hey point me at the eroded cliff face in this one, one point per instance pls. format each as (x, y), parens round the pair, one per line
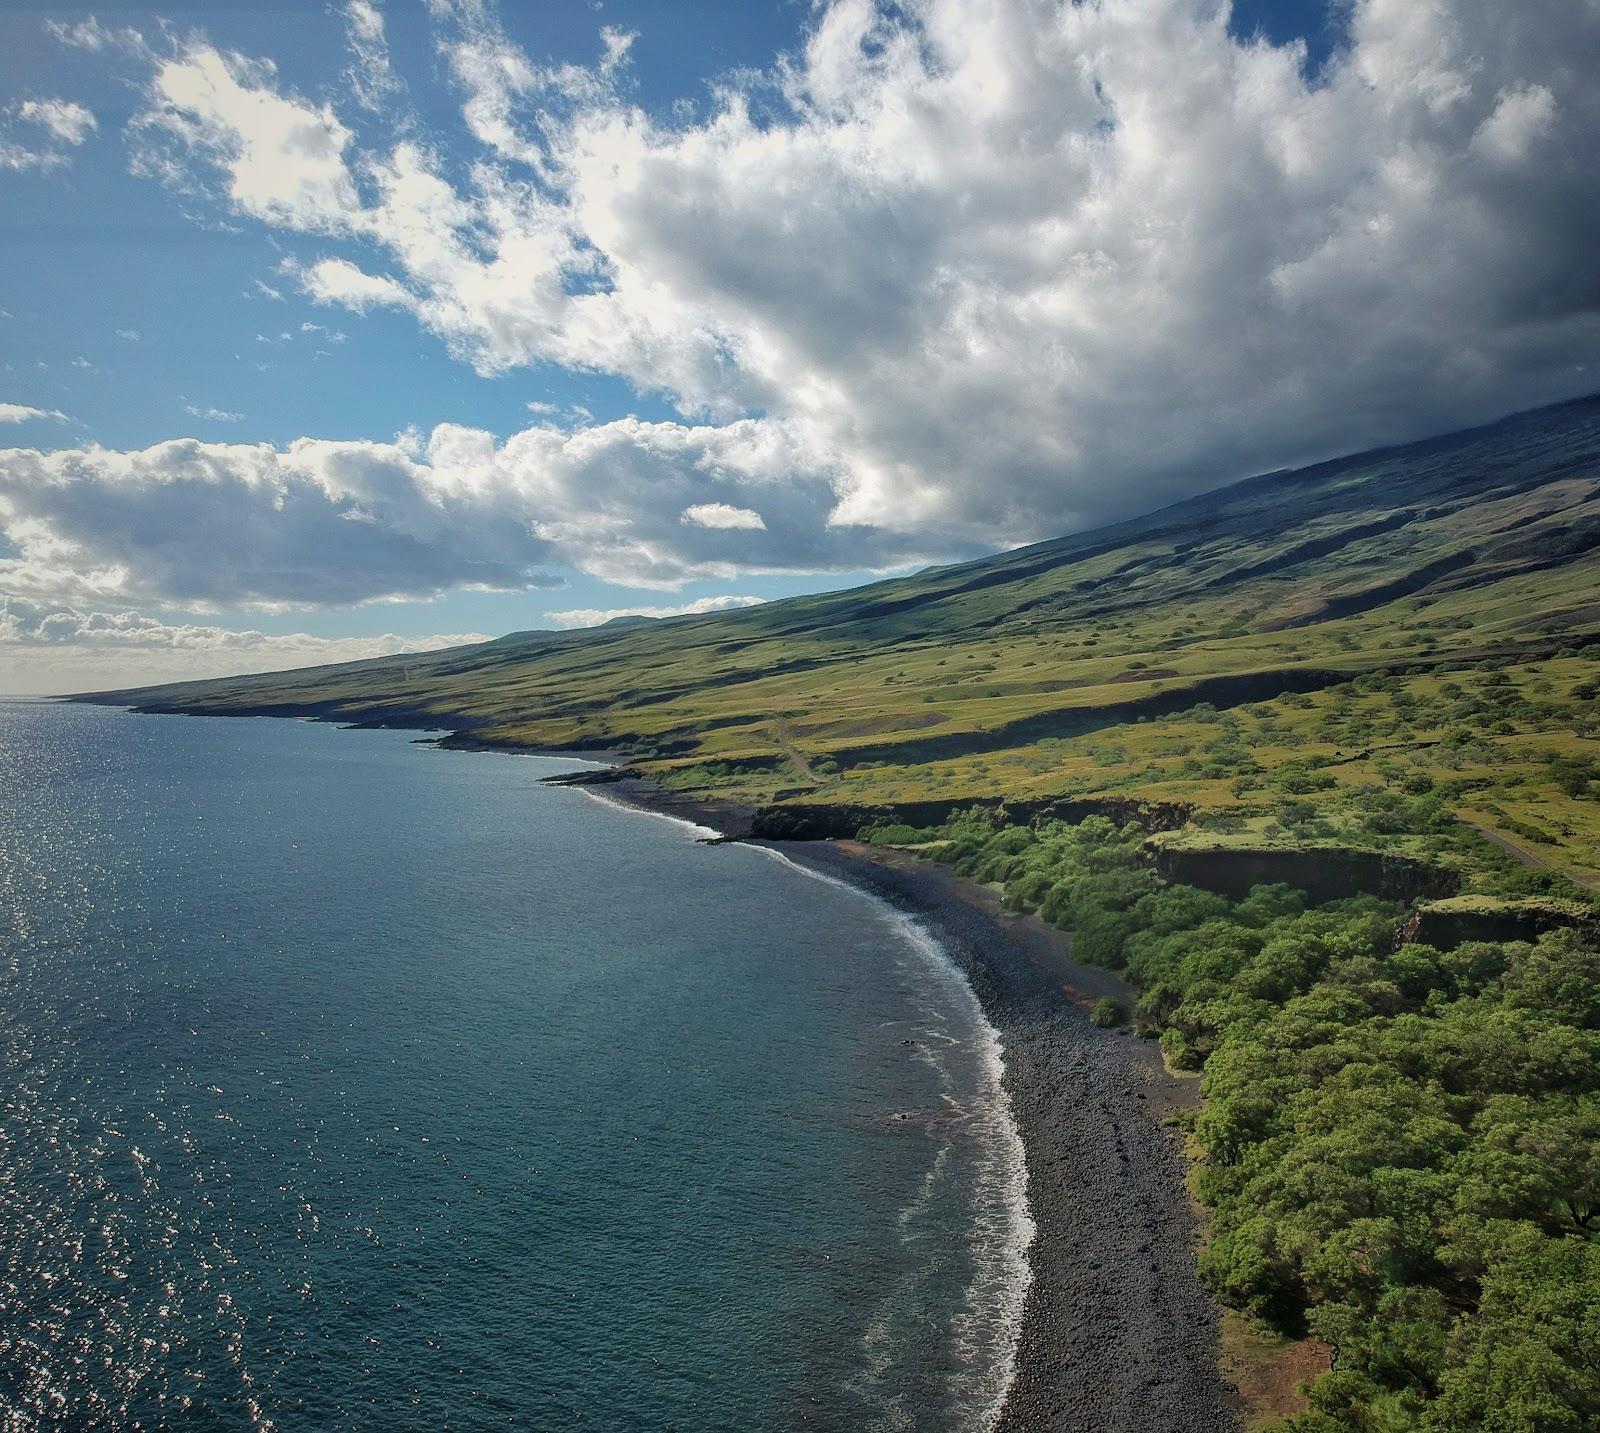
(1445, 926)
(1323, 873)
(811, 821)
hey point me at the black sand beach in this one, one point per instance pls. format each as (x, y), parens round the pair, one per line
(1118, 1335)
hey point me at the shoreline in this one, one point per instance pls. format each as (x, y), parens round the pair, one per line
(1117, 1334)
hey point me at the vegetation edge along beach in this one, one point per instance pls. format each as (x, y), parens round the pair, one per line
(1314, 760)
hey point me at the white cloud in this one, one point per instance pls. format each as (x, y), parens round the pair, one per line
(22, 413)
(617, 44)
(26, 623)
(338, 281)
(66, 122)
(371, 75)
(510, 101)
(996, 268)
(51, 648)
(191, 523)
(721, 515)
(595, 617)
(284, 156)
(65, 125)
(214, 415)
(1521, 116)
(129, 335)
(18, 157)
(90, 34)
(266, 291)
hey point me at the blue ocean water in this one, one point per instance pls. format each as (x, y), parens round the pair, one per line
(349, 1084)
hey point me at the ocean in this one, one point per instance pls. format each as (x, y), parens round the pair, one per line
(351, 1084)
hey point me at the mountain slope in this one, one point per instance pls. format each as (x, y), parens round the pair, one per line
(1073, 668)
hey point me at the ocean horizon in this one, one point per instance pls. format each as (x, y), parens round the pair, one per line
(352, 1084)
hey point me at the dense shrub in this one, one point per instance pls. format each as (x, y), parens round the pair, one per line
(895, 834)
(1401, 1146)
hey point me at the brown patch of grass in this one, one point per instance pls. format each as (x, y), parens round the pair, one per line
(1148, 674)
(1269, 1369)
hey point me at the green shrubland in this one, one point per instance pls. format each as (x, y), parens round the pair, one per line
(1109, 1014)
(1400, 1145)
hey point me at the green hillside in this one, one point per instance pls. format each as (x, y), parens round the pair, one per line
(1289, 657)
(1314, 762)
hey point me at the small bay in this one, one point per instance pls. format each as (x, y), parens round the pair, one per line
(353, 1084)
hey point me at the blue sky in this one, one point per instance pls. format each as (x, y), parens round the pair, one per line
(104, 250)
(489, 318)
(106, 253)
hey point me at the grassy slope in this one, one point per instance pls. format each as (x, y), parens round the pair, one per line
(1075, 668)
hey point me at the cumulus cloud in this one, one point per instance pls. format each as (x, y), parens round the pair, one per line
(338, 281)
(192, 523)
(24, 624)
(595, 617)
(50, 647)
(997, 268)
(22, 413)
(723, 516)
(284, 157)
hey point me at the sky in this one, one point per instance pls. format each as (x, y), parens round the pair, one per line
(339, 328)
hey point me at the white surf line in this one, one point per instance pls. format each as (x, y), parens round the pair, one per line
(701, 832)
(481, 751)
(550, 756)
(1012, 1272)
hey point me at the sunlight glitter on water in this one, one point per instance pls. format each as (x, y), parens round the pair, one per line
(348, 1083)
